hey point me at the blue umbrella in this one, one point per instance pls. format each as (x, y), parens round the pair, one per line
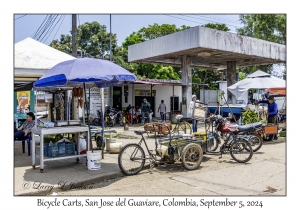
(88, 71)
(85, 72)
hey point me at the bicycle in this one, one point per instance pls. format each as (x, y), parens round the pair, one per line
(234, 144)
(181, 127)
(131, 159)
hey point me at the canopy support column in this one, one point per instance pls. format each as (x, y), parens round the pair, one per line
(231, 79)
(186, 84)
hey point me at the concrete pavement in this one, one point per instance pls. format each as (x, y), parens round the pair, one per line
(67, 174)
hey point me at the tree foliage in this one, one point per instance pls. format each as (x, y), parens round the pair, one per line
(269, 27)
(221, 27)
(91, 37)
(147, 33)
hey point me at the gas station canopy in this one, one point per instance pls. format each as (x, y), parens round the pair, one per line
(208, 48)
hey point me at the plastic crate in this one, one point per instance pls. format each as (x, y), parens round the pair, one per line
(70, 148)
(270, 129)
(282, 134)
(61, 149)
(51, 151)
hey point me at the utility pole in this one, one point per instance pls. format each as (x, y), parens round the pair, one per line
(110, 52)
(74, 35)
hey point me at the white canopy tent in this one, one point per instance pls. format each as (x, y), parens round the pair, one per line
(32, 59)
(256, 80)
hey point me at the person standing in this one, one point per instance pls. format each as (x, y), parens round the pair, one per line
(272, 111)
(145, 110)
(191, 109)
(162, 109)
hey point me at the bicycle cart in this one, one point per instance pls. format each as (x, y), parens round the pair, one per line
(182, 148)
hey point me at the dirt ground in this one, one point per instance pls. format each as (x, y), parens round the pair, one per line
(264, 174)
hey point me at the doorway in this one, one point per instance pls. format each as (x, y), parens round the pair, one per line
(117, 97)
(151, 100)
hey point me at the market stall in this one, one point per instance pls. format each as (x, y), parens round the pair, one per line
(82, 73)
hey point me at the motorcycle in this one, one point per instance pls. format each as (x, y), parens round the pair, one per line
(97, 120)
(119, 118)
(253, 130)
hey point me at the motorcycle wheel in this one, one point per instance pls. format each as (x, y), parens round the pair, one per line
(121, 123)
(215, 145)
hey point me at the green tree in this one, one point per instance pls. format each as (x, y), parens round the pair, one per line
(147, 33)
(221, 27)
(269, 27)
(91, 37)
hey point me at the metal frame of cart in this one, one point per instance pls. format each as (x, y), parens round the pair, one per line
(56, 130)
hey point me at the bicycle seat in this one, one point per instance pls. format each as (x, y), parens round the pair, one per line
(178, 117)
(141, 132)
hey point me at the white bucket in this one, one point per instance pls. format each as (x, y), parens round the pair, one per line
(109, 142)
(94, 160)
(115, 148)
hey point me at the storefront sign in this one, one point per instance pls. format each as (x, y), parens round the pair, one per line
(138, 92)
(95, 101)
(24, 103)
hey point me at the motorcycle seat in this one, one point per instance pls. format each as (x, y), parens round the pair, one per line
(178, 117)
(249, 127)
(140, 132)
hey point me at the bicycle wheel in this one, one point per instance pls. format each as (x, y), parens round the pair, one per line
(184, 128)
(256, 141)
(241, 150)
(131, 159)
(191, 156)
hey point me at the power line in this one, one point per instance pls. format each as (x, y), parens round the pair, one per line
(20, 17)
(47, 27)
(53, 27)
(183, 19)
(212, 21)
(41, 29)
(59, 26)
(227, 20)
(33, 36)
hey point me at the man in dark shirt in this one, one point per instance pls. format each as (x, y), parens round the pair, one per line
(145, 107)
(272, 111)
(24, 131)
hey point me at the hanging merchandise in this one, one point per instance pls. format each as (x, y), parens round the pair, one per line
(77, 92)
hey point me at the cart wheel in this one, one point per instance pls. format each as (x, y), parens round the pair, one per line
(41, 170)
(191, 156)
(77, 160)
(33, 166)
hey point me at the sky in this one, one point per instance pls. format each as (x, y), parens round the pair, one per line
(122, 25)
(26, 25)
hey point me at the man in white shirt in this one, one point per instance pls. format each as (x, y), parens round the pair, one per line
(162, 109)
(191, 108)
